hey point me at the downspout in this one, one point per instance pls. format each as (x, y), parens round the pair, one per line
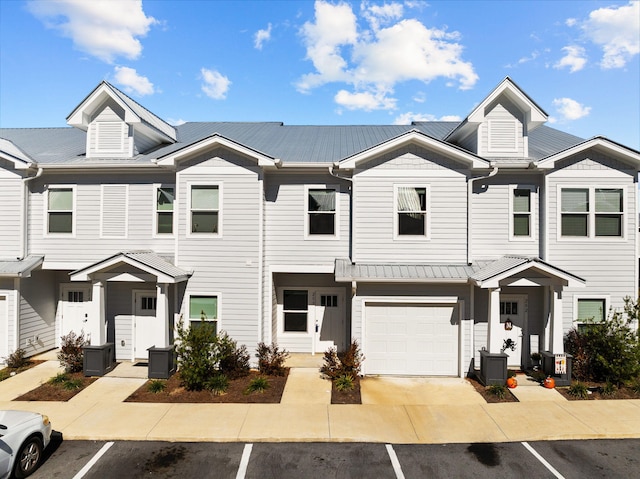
(350, 180)
(24, 235)
(469, 213)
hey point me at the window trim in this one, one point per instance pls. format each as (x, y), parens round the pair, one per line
(174, 225)
(427, 212)
(533, 203)
(604, 297)
(336, 212)
(74, 211)
(591, 214)
(218, 319)
(189, 231)
(281, 311)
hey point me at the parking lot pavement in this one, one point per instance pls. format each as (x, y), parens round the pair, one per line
(137, 460)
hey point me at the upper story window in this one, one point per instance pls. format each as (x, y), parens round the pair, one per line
(205, 209)
(411, 210)
(321, 211)
(521, 213)
(60, 201)
(165, 196)
(592, 212)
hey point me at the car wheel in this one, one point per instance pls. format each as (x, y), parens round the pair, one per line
(29, 457)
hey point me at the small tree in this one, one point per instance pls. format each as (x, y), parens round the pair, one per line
(271, 359)
(71, 354)
(195, 349)
(347, 363)
(232, 360)
(607, 350)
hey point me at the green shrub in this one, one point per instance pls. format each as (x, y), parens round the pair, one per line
(271, 359)
(218, 384)
(157, 386)
(608, 350)
(345, 383)
(538, 376)
(72, 384)
(511, 373)
(71, 355)
(635, 385)
(578, 390)
(340, 364)
(608, 390)
(59, 378)
(258, 384)
(498, 390)
(195, 350)
(4, 374)
(232, 361)
(17, 359)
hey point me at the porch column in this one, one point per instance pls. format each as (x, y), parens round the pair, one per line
(494, 341)
(556, 343)
(162, 313)
(546, 308)
(97, 326)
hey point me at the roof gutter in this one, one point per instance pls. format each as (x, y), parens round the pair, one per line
(24, 235)
(469, 212)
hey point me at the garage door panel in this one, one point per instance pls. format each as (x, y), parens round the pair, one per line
(411, 339)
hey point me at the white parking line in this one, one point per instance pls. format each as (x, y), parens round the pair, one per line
(543, 461)
(244, 462)
(87, 467)
(394, 462)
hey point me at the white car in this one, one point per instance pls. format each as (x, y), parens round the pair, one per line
(23, 437)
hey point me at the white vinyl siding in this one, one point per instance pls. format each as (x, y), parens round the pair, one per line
(11, 204)
(503, 134)
(114, 211)
(38, 297)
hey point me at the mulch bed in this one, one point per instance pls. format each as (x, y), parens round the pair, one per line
(6, 373)
(488, 397)
(175, 393)
(56, 392)
(595, 390)
(346, 397)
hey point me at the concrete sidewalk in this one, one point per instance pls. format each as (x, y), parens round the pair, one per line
(394, 410)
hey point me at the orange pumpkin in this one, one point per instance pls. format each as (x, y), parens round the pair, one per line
(549, 383)
(512, 382)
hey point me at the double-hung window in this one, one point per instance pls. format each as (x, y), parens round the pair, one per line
(295, 308)
(592, 212)
(411, 210)
(203, 308)
(205, 209)
(165, 196)
(60, 210)
(590, 311)
(521, 213)
(321, 211)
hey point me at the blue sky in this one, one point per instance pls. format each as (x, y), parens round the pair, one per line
(324, 62)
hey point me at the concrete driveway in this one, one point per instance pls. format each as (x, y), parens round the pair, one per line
(397, 391)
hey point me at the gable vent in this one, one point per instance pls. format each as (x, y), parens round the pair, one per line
(503, 135)
(113, 211)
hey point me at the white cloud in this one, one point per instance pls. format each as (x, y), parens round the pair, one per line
(373, 60)
(174, 122)
(570, 22)
(407, 118)
(102, 28)
(262, 36)
(367, 101)
(575, 59)
(570, 109)
(617, 31)
(215, 85)
(131, 82)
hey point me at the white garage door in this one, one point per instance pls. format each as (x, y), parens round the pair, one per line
(411, 339)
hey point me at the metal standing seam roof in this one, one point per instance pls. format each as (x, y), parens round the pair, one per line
(509, 262)
(17, 268)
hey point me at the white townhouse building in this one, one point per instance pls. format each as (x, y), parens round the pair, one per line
(425, 242)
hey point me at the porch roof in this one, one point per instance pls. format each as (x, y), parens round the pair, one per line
(146, 260)
(15, 268)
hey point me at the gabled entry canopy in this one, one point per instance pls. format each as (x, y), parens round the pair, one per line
(598, 143)
(147, 262)
(523, 271)
(10, 152)
(415, 137)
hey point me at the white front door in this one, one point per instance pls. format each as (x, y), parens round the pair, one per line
(75, 303)
(4, 329)
(329, 320)
(512, 317)
(148, 331)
